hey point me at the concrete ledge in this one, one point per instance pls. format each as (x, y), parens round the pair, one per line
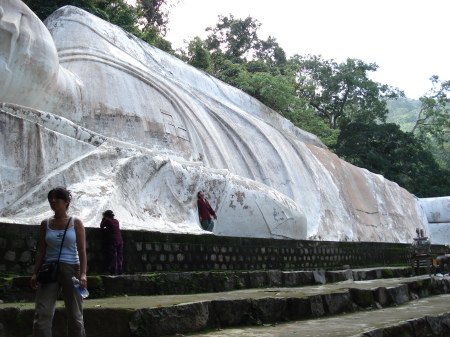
(17, 289)
(110, 317)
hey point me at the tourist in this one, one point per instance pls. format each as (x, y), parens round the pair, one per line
(204, 212)
(60, 238)
(114, 242)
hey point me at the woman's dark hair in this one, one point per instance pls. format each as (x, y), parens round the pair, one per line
(108, 214)
(61, 193)
(198, 194)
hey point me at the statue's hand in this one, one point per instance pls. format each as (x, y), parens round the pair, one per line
(28, 56)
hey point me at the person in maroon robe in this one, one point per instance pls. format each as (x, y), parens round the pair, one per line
(204, 212)
(114, 241)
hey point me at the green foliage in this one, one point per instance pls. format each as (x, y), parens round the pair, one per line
(403, 111)
(154, 14)
(197, 55)
(434, 114)
(338, 90)
(235, 38)
(397, 155)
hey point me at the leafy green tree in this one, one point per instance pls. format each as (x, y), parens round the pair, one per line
(337, 90)
(434, 114)
(397, 155)
(197, 55)
(234, 38)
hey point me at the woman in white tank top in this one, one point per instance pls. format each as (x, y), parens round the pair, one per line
(71, 263)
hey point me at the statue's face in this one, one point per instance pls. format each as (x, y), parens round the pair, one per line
(28, 57)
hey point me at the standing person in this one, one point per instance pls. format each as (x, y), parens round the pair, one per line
(72, 262)
(115, 242)
(204, 212)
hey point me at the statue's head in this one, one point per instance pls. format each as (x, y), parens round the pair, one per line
(28, 56)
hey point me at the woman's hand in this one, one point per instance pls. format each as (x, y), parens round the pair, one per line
(33, 282)
(83, 281)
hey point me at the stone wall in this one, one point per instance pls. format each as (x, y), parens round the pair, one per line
(147, 252)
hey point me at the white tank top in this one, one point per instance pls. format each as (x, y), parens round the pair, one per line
(53, 238)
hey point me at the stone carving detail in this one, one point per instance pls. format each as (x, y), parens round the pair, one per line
(129, 127)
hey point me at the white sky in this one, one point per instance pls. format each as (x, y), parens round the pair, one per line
(408, 39)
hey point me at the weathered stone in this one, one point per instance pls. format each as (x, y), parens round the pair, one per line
(363, 298)
(398, 294)
(306, 277)
(420, 288)
(317, 306)
(290, 279)
(337, 303)
(117, 322)
(170, 320)
(401, 329)
(258, 279)
(270, 309)
(223, 281)
(338, 276)
(374, 333)
(319, 276)
(129, 285)
(231, 313)
(437, 211)
(275, 278)
(381, 296)
(421, 327)
(299, 308)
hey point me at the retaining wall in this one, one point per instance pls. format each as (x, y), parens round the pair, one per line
(146, 252)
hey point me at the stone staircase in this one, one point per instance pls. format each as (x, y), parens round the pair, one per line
(182, 303)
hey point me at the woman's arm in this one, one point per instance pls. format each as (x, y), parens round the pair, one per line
(40, 254)
(81, 246)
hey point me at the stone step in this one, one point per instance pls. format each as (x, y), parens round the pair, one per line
(425, 317)
(15, 289)
(177, 314)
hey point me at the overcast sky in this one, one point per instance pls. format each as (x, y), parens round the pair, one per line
(408, 39)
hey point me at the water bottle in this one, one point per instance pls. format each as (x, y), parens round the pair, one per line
(83, 292)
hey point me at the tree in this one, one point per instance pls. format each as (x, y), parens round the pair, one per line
(197, 55)
(397, 155)
(156, 13)
(233, 38)
(434, 114)
(337, 90)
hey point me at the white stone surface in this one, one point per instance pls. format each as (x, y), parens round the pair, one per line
(437, 211)
(131, 128)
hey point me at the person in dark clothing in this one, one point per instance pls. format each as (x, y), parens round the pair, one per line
(204, 212)
(114, 241)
